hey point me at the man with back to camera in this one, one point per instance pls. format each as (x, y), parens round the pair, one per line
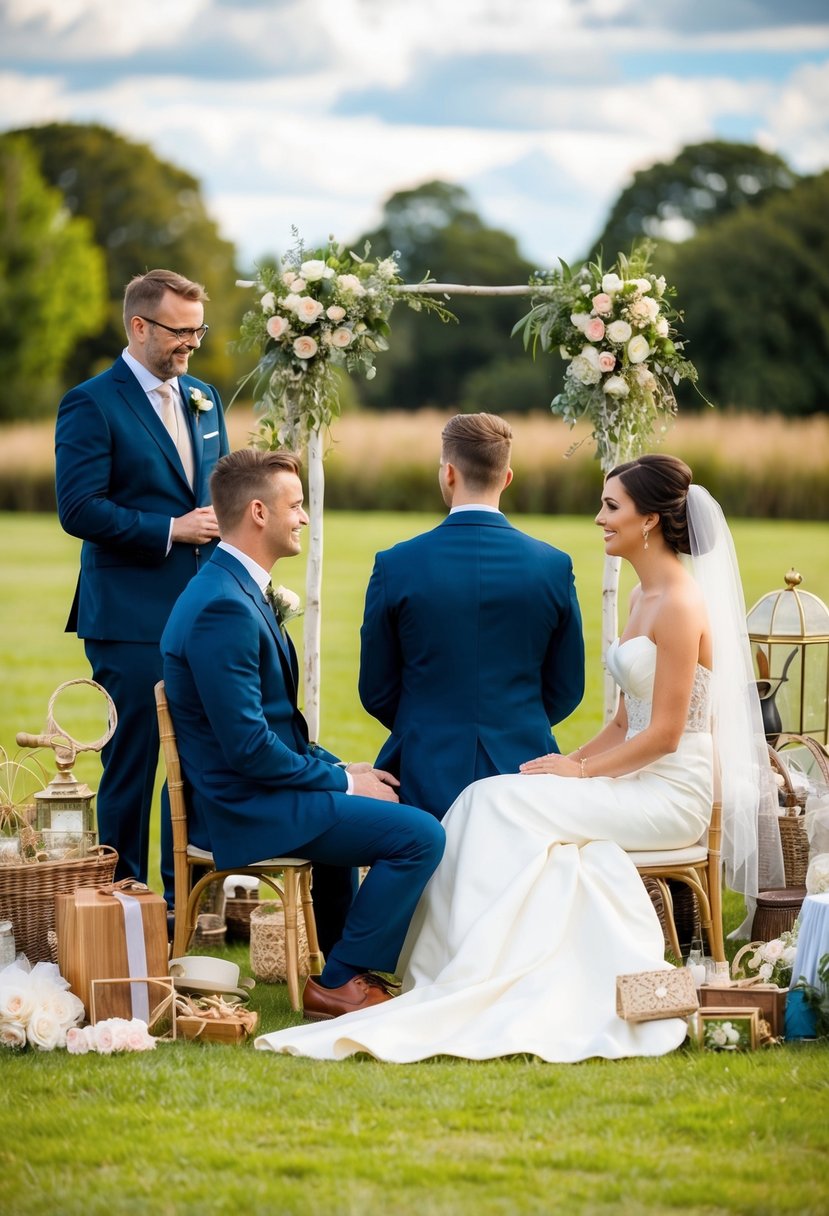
(471, 639)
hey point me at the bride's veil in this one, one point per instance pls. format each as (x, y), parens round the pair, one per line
(751, 839)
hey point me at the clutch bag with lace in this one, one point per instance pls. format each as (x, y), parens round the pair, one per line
(646, 996)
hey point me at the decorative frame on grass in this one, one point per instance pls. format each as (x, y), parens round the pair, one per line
(727, 1029)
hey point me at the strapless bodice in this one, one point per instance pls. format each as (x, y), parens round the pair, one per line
(633, 666)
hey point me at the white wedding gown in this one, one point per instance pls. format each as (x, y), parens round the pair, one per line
(535, 909)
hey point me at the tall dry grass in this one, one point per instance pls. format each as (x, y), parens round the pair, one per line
(757, 465)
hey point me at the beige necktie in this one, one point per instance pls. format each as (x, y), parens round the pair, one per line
(170, 416)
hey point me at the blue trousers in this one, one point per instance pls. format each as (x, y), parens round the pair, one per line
(402, 845)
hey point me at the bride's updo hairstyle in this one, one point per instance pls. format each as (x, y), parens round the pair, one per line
(659, 484)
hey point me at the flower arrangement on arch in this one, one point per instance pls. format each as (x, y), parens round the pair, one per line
(616, 331)
(317, 310)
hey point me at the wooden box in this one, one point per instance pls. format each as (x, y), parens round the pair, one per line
(728, 1029)
(92, 945)
(214, 1030)
(768, 998)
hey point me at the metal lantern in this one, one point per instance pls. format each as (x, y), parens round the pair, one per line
(65, 818)
(789, 635)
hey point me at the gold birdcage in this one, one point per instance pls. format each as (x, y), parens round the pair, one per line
(789, 634)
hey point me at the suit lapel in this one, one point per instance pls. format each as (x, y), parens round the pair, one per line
(246, 583)
(136, 399)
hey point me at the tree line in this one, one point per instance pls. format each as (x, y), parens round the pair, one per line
(737, 231)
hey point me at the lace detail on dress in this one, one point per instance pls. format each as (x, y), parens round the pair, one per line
(699, 710)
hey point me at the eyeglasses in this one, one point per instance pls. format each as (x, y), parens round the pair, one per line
(181, 334)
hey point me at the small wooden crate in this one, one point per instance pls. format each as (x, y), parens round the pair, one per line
(215, 1030)
(768, 998)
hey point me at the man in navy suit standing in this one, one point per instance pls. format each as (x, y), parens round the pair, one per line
(134, 449)
(472, 642)
(258, 788)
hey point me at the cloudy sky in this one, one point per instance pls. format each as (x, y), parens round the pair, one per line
(311, 112)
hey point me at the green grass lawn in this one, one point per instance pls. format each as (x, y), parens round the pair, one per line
(212, 1129)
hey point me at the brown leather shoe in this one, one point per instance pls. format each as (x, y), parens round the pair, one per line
(319, 1004)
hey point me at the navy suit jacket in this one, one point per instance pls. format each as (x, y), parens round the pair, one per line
(258, 788)
(119, 483)
(471, 648)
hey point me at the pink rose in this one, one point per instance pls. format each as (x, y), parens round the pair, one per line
(104, 1038)
(276, 326)
(341, 337)
(77, 1043)
(335, 313)
(594, 329)
(12, 1034)
(602, 304)
(607, 362)
(308, 309)
(305, 347)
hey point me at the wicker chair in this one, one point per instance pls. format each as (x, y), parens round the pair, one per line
(294, 887)
(699, 866)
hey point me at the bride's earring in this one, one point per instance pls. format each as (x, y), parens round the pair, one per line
(645, 536)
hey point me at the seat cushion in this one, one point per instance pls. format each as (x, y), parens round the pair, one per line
(204, 857)
(691, 855)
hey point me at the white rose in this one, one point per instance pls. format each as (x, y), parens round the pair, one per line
(772, 951)
(289, 598)
(313, 271)
(638, 349)
(65, 1006)
(268, 302)
(305, 347)
(619, 331)
(718, 1035)
(581, 369)
(350, 284)
(44, 1030)
(77, 1043)
(298, 285)
(277, 326)
(611, 283)
(139, 1037)
(334, 312)
(17, 1001)
(644, 285)
(288, 277)
(765, 971)
(659, 285)
(731, 1033)
(662, 327)
(341, 337)
(102, 1037)
(308, 309)
(12, 1034)
(580, 319)
(789, 955)
(616, 386)
(291, 301)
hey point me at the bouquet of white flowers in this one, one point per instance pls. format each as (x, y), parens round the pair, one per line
(616, 331)
(36, 1006)
(770, 962)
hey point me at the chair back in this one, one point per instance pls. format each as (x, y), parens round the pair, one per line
(172, 764)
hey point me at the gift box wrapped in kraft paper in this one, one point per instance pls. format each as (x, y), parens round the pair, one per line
(112, 932)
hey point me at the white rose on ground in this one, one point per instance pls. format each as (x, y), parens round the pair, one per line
(277, 326)
(305, 347)
(611, 283)
(44, 1031)
(308, 309)
(350, 284)
(334, 312)
(268, 302)
(17, 1000)
(12, 1034)
(607, 361)
(313, 270)
(638, 349)
(66, 1007)
(341, 337)
(616, 386)
(619, 331)
(139, 1037)
(103, 1039)
(77, 1042)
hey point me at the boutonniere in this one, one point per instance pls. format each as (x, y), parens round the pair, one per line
(285, 603)
(200, 403)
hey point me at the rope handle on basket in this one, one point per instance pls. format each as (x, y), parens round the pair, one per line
(792, 806)
(66, 748)
(812, 745)
(736, 969)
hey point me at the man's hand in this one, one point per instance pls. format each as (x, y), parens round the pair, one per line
(196, 527)
(371, 782)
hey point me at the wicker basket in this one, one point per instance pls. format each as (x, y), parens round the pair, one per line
(792, 823)
(27, 895)
(267, 943)
(238, 913)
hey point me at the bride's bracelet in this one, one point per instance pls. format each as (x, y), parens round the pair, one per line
(583, 766)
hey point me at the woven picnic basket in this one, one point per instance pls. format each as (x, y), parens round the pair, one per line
(792, 822)
(27, 895)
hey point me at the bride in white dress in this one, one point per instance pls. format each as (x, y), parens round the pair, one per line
(536, 907)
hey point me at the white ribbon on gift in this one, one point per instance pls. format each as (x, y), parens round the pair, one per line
(136, 953)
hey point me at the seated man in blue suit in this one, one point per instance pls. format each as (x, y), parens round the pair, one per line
(471, 640)
(134, 448)
(258, 788)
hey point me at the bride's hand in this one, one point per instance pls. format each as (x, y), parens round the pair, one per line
(559, 766)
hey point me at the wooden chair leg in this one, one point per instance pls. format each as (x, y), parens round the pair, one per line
(314, 953)
(289, 903)
(670, 923)
(715, 899)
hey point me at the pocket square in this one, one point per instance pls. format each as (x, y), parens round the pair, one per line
(210, 435)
